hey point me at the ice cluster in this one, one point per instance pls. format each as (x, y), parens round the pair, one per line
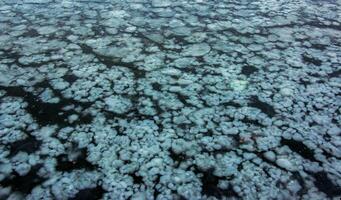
(166, 99)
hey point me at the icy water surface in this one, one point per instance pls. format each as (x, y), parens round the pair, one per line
(165, 99)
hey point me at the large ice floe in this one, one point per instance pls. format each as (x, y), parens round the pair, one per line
(166, 99)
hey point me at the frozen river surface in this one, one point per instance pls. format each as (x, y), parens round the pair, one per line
(165, 99)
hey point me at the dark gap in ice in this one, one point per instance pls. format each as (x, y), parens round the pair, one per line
(330, 154)
(232, 103)
(265, 160)
(137, 179)
(185, 126)
(252, 122)
(148, 41)
(180, 197)
(240, 166)
(299, 148)
(304, 81)
(156, 86)
(8, 54)
(99, 30)
(201, 59)
(265, 169)
(111, 115)
(26, 183)
(300, 180)
(177, 40)
(247, 70)
(89, 194)
(337, 112)
(289, 25)
(210, 186)
(321, 47)
(183, 99)
(323, 26)
(220, 151)
(64, 164)
(28, 145)
(47, 113)
(107, 61)
(264, 107)
(119, 130)
(189, 69)
(70, 78)
(93, 2)
(238, 33)
(113, 61)
(30, 33)
(325, 185)
(311, 60)
(138, 73)
(208, 133)
(178, 158)
(156, 191)
(327, 137)
(336, 73)
(316, 75)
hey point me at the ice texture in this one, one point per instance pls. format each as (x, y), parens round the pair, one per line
(166, 99)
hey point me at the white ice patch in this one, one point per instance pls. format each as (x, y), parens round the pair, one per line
(196, 49)
(117, 104)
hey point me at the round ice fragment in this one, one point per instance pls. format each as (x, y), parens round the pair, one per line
(171, 71)
(286, 91)
(285, 163)
(161, 3)
(270, 155)
(197, 49)
(238, 85)
(73, 118)
(334, 131)
(117, 104)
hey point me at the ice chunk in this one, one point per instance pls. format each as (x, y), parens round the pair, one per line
(117, 104)
(161, 3)
(286, 164)
(238, 85)
(270, 155)
(197, 49)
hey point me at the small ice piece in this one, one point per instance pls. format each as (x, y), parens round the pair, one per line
(270, 155)
(171, 72)
(185, 62)
(37, 1)
(197, 49)
(286, 91)
(73, 118)
(182, 81)
(5, 79)
(118, 104)
(238, 85)
(161, 3)
(334, 131)
(61, 85)
(45, 30)
(182, 31)
(46, 131)
(5, 168)
(112, 31)
(285, 163)
(175, 89)
(139, 196)
(48, 96)
(321, 119)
